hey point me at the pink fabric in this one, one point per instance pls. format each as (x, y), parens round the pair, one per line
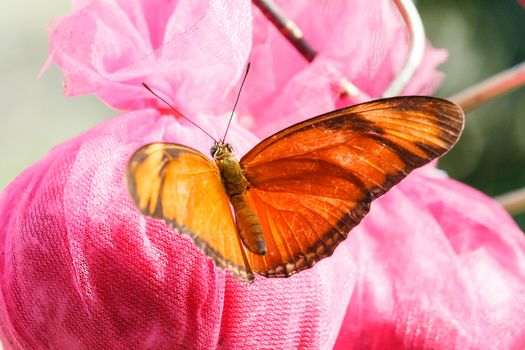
(109, 47)
(83, 269)
(364, 41)
(451, 277)
(434, 265)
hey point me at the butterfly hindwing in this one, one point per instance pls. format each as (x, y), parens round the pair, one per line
(183, 187)
(314, 181)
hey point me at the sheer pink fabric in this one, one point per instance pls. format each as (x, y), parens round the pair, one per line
(434, 265)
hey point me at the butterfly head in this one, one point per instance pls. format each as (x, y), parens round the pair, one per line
(221, 150)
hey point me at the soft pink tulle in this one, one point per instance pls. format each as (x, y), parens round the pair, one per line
(440, 266)
(434, 265)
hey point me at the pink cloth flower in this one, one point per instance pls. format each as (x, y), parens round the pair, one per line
(434, 265)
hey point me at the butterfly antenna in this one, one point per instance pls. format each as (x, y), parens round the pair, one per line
(178, 113)
(237, 100)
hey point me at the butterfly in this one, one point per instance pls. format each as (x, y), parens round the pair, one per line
(297, 194)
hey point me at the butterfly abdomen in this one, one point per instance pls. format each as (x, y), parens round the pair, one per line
(246, 220)
(248, 225)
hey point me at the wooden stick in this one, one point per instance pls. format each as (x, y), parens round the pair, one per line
(485, 91)
(490, 88)
(287, 27)
(513, 202)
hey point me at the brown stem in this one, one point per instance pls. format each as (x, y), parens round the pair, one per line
(513, 202)
(490, 88)
(295, 36)
(287, 27)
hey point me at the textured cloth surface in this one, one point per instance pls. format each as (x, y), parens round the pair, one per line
(84, 269)
(434, 265)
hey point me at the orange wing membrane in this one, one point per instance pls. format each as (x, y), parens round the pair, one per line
(311, 183)
(183, 187)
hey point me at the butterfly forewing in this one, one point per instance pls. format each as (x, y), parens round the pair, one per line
(309, 184)
(314, 181)
(183, 187)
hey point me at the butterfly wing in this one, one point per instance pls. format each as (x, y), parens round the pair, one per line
(314, 181)
(183, 187)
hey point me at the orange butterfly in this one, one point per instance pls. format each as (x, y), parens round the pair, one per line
(298, 193)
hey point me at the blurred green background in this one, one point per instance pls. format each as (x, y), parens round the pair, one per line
(483, 37)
